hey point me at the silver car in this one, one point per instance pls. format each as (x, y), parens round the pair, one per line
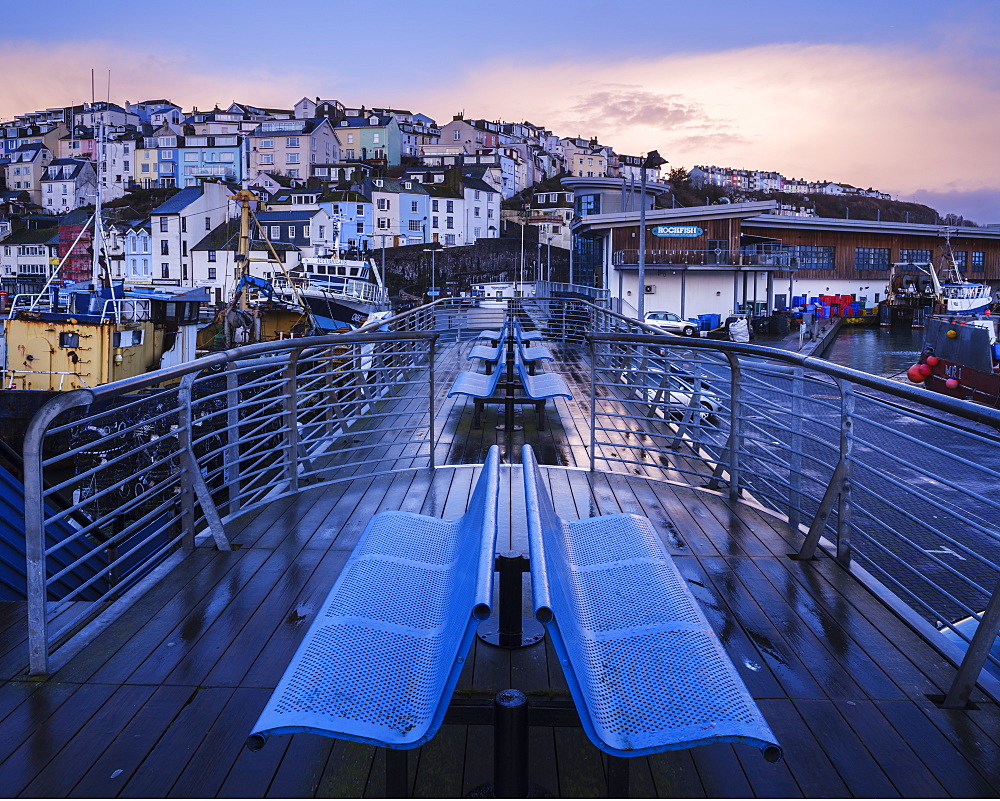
(671, 323)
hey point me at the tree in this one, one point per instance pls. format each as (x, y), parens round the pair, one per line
(678, 176)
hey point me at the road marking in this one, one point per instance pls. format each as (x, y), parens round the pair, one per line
(944, 550)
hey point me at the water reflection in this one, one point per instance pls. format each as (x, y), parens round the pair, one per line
(881, 351)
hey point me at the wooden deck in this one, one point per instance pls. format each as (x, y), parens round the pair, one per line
(160, 703)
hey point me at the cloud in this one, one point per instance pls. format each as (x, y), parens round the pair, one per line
(900, 120)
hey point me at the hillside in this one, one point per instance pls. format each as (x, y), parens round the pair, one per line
(836, 206)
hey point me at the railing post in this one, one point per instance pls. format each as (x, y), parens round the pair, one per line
(194, 487)
(976, 655)
(593, 405)
(735, 442)
(231, 456)
(289, 402)
(34, 524)
(795, 448)
(431, 390)
(844, 508)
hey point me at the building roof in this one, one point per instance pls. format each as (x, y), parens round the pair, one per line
(286, 216)
(181, 200)
(76, 217)
(478, 183)
(33, 236)
(396, 186)
(226, 237)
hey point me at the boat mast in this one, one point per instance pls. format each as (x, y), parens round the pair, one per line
(242, 257)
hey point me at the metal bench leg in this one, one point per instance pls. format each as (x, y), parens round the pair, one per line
(510, 744)
(396, 773)
(478, 410)
(618, 777)
(540, 411)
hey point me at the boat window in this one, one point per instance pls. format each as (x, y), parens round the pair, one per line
(354, 271)
(69, 339)
(128, 338)
(321, 269)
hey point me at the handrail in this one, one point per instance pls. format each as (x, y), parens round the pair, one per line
(809, 441)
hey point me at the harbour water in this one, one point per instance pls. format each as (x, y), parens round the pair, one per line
(886, 352)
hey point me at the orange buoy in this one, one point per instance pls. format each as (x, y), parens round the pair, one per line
(924, 369)
(931, 360)
(951, 383)
(952, 333)
(914, 374)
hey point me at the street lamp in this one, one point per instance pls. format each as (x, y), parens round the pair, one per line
(548, 257)
(433, 288)
(524, 221)
(653, 159)
(538, 263)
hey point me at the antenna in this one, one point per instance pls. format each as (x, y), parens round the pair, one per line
(92, 98)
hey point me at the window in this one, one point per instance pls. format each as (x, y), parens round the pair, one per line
(457, 135)
(165, 270)
(127, 339)
(961, 259)
(163, 224)
(184, 225)
(184, 248)
(434, 222)
(489, 214)
(292, 141)
(477, 232)
(414, 206)
(305, 230)
(291, 158)
(475, 211)
(449, 239)
(414, 225)
(360, 227)
(361, 211)
(267, 143)
(164, 248)
(383, 204)
(588, 204)
(871, 258)
(266, 158)
(349, 153)
(211, 255)
(275, 231)
(449, 222)
(322, 231)
(434, 205)
(476, 194)
(449, 206)
(208, 223)
(166, 154)
(913, 257)
(69, 339)
(293, 173)
(190, 156)
(144, 168)
(211, 273)
(383, 223)
(978, 261)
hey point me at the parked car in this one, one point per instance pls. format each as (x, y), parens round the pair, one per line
(671, 323)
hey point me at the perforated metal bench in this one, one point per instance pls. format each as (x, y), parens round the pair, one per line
(478, 386)
(541, 387)
(380, 662)
(488, 353)
(526, 336)
(644, 667)
(530, 354)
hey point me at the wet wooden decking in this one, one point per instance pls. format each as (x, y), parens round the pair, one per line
(160, 703)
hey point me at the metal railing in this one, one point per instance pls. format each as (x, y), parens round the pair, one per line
(897, 484)
(720, 258)
(164, 459)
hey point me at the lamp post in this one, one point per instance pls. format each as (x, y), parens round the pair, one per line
(538, 263)
(524, 222)
(653, 159)
(433, 286)
(548, 258)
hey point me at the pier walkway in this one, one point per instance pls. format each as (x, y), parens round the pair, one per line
(159, 703)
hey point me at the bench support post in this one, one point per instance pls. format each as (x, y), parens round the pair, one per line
(510, 629)
(396, 773)
(617, 776)
(510, 744)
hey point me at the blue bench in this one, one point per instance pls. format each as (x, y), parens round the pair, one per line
(644, 667)
(527, 336)
(488, 353)
(380, 662)
(540, 387)
(531, 354)
(478, 386)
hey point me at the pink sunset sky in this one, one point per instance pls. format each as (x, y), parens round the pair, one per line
(900, 96)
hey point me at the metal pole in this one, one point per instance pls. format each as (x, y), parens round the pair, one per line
(510, 744)
(642, 244)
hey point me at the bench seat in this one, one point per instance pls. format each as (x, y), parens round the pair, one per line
(380, 662)
(541, 386)
(644, 667)
(475, 385)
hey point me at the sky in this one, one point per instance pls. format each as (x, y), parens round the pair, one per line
(899, 95)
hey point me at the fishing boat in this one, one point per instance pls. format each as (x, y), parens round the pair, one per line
(915, 290)
(961, 358)
(325, 294)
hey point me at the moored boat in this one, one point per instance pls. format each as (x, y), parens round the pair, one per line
(961, 358)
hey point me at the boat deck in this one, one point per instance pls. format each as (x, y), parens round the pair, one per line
(160, 703)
